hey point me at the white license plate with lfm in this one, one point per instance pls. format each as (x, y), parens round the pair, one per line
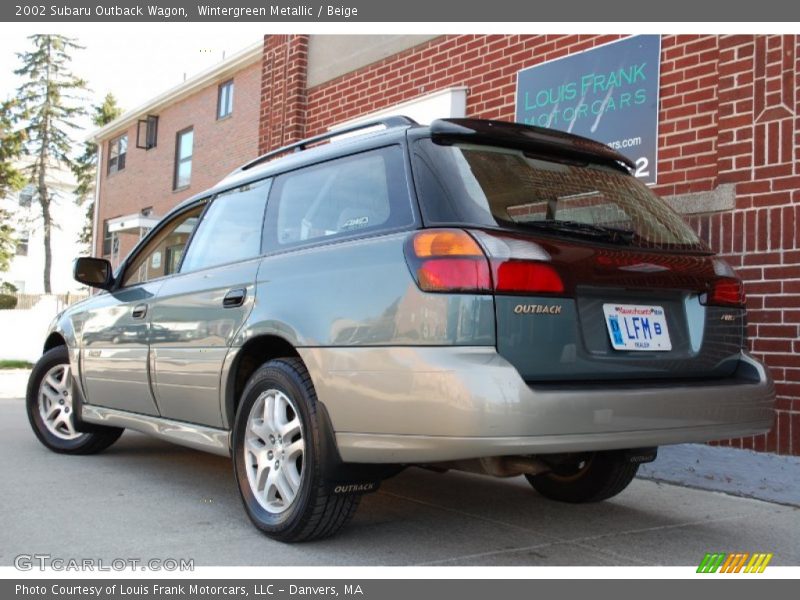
(637, 327)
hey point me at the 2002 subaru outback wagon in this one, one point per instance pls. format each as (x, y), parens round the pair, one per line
(471, 295)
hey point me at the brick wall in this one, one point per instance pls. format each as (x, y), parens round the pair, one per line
(147, 177)
(728, 123)
(283, 90)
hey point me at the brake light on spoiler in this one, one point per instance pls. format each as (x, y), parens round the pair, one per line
(452, 260)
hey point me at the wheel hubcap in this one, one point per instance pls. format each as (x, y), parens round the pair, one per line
(55, 403)
(274, 446)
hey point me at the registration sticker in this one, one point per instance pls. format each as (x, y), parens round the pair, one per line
(637, 327)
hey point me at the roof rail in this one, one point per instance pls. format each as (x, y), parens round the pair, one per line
(388, 123)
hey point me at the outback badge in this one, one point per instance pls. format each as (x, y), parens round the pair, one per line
(537, 309)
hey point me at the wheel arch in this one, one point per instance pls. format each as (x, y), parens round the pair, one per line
(255, 352)
(54, 340)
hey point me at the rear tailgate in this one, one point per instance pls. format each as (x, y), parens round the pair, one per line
(661, 329)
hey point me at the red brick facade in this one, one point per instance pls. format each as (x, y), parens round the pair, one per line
(283, 90)
(147, 179)
(728, 117)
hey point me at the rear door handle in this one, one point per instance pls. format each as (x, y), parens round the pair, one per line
(139, 311)
(234, 298)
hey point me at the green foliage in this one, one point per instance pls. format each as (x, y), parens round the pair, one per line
(49, 101)
(85, 167)
(8, 288)
(11, 178)
(7, 301)
(47, 106)
(8, 245)
(15, 364)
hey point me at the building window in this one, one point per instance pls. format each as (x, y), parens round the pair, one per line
(225, 100)
(107, 239)
(183, 158)
(117, 149)
(22, 243)
(26, 196)
(147, 132)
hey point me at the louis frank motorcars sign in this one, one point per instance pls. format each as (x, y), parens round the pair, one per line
(608, 93)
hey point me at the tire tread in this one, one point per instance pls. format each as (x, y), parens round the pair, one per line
(329, 512)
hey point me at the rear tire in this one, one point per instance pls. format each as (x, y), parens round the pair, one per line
(50, 407)
(277, 448)
(598, 477)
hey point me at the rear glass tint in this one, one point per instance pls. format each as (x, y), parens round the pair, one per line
(501, 187)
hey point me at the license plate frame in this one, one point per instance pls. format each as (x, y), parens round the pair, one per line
(637, 327)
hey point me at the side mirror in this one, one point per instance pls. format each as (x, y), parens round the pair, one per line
(95, 272)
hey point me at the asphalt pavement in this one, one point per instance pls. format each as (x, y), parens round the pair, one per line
(144, 499)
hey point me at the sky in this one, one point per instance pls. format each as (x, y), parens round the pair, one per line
(135, 62)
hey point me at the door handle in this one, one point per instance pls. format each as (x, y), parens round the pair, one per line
(139, 311)
(234, 298)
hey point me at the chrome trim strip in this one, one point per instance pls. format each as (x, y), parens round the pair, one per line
(199, 437)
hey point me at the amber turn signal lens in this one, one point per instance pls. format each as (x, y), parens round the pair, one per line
(429, 244)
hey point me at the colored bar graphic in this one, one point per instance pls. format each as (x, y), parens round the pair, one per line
(734, 562)
(711, 562)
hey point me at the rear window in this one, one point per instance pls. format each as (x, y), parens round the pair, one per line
(488, 186)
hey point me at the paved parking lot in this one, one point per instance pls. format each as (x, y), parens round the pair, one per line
(147, 499)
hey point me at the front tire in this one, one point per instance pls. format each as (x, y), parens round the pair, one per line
(50, 406)
(277, 448)
(594, 478)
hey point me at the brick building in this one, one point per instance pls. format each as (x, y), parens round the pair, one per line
(168, 149)
(728, 144)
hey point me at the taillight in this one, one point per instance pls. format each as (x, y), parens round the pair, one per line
(521, 276)
(451, 260)
(448, 260)
(726, 291)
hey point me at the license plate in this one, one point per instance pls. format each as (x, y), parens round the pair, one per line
(637, 327)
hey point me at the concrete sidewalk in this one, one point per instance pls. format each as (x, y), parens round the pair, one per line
(144, 498)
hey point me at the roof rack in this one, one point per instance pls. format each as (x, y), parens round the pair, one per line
(388, 123)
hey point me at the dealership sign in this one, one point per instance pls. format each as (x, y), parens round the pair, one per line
(608, 93)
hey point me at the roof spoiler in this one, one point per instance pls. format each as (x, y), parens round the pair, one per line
(527, 136)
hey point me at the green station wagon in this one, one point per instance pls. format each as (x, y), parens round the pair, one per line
(473, 295)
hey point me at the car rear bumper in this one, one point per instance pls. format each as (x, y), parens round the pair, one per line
(422, 404)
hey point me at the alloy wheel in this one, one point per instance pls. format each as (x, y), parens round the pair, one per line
(55, 403)
(274, 447)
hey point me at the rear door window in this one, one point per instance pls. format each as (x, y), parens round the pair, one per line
(346, 197)
(230, 230)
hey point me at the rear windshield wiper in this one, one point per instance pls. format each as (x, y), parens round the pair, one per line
(612, 234)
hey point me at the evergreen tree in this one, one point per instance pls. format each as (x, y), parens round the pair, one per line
(85, 167)
(49, 101)
(11, 179)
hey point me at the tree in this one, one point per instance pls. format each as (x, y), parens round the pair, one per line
(85, 167)
(11, 179)
(8, 244)
(48, 104)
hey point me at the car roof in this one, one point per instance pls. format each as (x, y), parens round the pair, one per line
(366, 135)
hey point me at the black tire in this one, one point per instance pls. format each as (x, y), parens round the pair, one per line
(314, 512)
(58, 439)
(598, 477)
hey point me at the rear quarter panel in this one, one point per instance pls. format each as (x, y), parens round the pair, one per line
(360, 293)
